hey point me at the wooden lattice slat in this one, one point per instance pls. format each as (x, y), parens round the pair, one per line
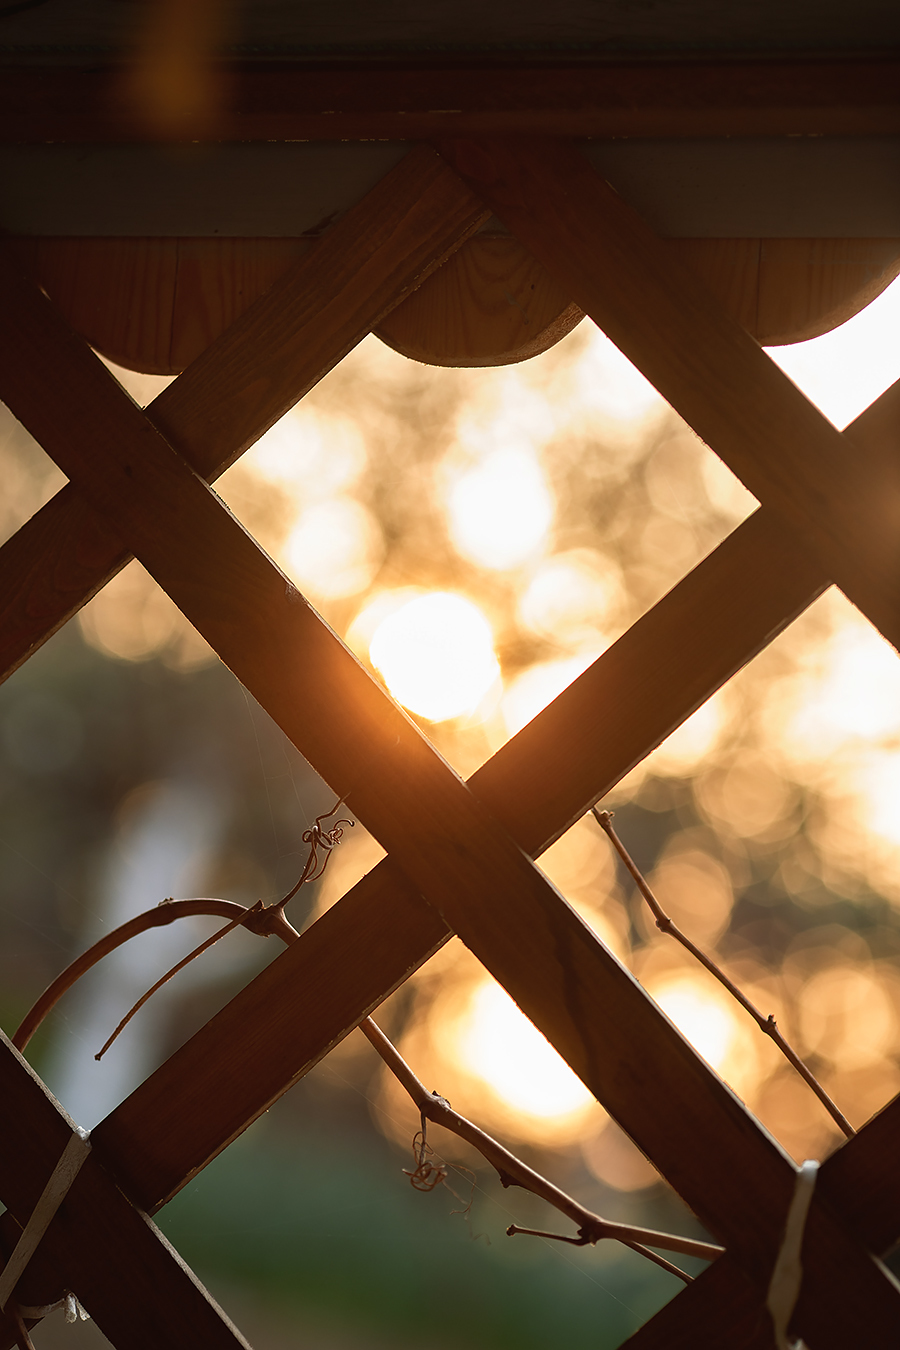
(536, 785)
(548, 960)
(136, 1286)
(469, 870)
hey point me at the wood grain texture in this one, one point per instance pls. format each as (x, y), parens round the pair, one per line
(278, 350)
(467, 866)
(862, 1179)
(423, 99)
(790, 290)
(119, 294)
(217, 281)
(138, 1291)
(490, 304)
(710, 370)
(809, 286)
(155, 305)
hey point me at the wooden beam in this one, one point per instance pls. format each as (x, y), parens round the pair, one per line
(425, 99)
(136, 1288)
(274, 354)
(471, 871)
(860, 1181)
(845, 510)
(154, 305)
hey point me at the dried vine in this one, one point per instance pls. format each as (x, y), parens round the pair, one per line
(766, 1024)
(270, 920)
(513, 1172)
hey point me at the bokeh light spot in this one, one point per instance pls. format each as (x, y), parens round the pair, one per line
(539, 685)
(501, 510)
(570, 596)
(496, 1042)
(706, 1021)
(335, 549)
(436, 654)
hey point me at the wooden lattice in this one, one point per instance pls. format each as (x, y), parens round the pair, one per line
(460, 855)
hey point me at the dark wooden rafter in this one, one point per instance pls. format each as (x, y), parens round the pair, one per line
(720, 1310)
(400, 101)
(214, 570)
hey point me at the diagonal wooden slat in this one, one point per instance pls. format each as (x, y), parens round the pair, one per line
(609, 719)
(862, 1180)
(721, 1310)
(273, 355)
(536, 785)
(589, 1007)
(845, 510)
(137, 1289)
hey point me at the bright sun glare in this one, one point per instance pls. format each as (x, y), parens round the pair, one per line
(500, 512)
(498, 1044)
(436, 654)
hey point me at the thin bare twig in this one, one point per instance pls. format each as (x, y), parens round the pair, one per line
(768, 1024)
(266, 922)
(179, 965)
(581, 1241)
(23, 1340)
(513, 1172)
(317, 838)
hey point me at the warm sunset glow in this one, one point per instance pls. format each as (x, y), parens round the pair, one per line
(315, 455)
(564, 497)
(501, 510)
(845, 370)
(570, 595)
(436, 655)
(497, 1043)
(687, 747)
(538, 686)
(609, 387)
(335, 549)
(706, 1020)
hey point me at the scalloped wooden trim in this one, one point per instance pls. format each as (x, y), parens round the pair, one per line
(154, 305)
